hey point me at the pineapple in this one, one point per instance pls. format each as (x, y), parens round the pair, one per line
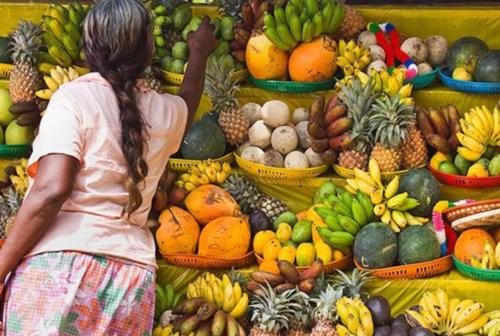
(353, 24)
(270, 313)
(271, 207)
(24, 79)
(10, 202)
(351, 286)
(359, 100)
(151, 80)
(243, 191)
(221, 88)
(390, 122)
(301, 322)
(414, 150)
(325, 312)
(232, 8)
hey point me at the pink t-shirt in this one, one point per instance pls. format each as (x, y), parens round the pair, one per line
(82, 120)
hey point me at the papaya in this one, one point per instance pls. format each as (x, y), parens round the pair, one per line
(306, 254)
(225, 237)
(178, 232)
(302, 231)
(314, 61)
(209, 202)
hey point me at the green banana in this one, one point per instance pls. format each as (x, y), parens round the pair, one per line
(61, 56)
(299, 5)
(328, 12)
(303, 17)
(338, 18)
(333, 223)
(56, 13)
(45, 57)
(336, 239)
(342, 209)
(348, 224)
(312, 7)
(296, 27)
(56, 28)
(280, 16)
(409, 203)
(74, 16)
(397, 200)
(332, 200)
(272, 35)
(286, 36)
(318, 24)
(80, 8)
(61, 9)
(72, 30)
(177, 297)
(290, 11)
(358, 213)
(269, 21)
(325, 212)
(169, 293)
(51, 41)
(365, 201)
(345, 197)
(161, 299)
(71, 46)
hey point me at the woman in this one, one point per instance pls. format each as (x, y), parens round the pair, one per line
(80, 257)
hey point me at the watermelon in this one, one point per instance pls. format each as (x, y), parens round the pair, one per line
(204, 140)
(376, 246)
(488, 67)
(465, 52)
(423, 186)
(416, 244)
(4, 50)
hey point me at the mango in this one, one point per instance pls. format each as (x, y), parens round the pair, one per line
(286, 217)
(284, 232)
(302, 231)
(448, 167)
(461, 73)
(438, 158)
(272, 249)
(484, 161)
(323, 252)
(260, 240)
(287, 253)
(477, 170)
(494, 166)
(462, 164)
(306, 254)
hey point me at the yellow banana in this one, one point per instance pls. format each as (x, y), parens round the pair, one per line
(488, 115)
(469, 154)
(443, 301)
(479, 119)
(379, 209)
(342, 47)
(72, 74)
(377, 197)
(226, 167)
(461, 306)
(157, 331)
(364, 176)
(374, 170)
(218, 296)
(240, 308)
(351, 45)
(468, 315)
(221, 177)
(363, 78)
(392, 87)
(399, 74)
(471, 131)
(398, 200)
(433, 324)
(386, 216)
(473, 326)
(452, 304)
(431, 305)
(352, 183)
(415, 318)
(407, 101)
(410, 219)
(496, 127)
(44, 94)
(56, 75)
(343, 331)
(394, 227)
(470, 143)
(237, 292)
(405, 91)
(343, 311)
(365, 318)
(399, 218)
(349, 55)
(478, 124)
(392, 187)
(366, 187)
(229, 303)
(342, 61)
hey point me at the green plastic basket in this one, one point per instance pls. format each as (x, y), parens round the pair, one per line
(292, 87)
(15, 151)
(477, 273)
(423, 81)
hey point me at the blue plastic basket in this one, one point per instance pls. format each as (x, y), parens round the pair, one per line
(423, 81)
(466, 86)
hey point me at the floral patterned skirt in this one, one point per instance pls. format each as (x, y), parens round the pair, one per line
(72, 293)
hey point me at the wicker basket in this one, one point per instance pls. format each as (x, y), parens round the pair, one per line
(341, 264)
(452, 214)
(464, 181)
(414, 271)
(476, 273)
(176, 79)
(386, 177)
(5, 70)
(278, 173)
(182, 165)
(208, 263)
(487, 218)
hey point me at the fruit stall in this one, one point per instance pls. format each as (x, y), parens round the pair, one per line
(353, 153)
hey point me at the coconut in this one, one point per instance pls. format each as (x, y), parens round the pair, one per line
(240, 149)
(416, 49)
(377, 53)
(275, 113)
(272, 158)
(300, 114)
(304, 137)
(259, 134)
(377, 65)
(296, 160)
(253, 154)
(367, 39)
(437, 48)
(252, 111)
(314, 158)
(424, 68)
(284, 139)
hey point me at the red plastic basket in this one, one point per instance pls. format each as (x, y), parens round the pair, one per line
(466, 182)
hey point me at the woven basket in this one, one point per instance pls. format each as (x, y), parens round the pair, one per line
(476, 273)
(278, 173)
(340, 264)
(5, 70)
(452, 214)
(468, 86)
(386, 177)
(414, 271)
(176, 79)
(487, 218)
(464, 181)
(182, 165)
(208, 263)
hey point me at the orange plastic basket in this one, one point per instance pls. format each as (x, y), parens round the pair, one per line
(208, 263)
(341, 264)
(414, 271)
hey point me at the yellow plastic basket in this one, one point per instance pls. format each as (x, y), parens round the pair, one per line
(176, 79)
(182, 165)
(278, 173)
(349, 173)
(5, 70)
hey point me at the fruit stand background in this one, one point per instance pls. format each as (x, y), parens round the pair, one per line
(451, 22)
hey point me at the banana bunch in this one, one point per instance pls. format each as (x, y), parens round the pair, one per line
(440, 127)
(391, 207)
(16, 176)
(205, 172)
(352, 56)
(198, 316)
(479, 128)
(355, 317)
(57, 77)
(166, 299)
(344, 216)
(442, 315)
(222, 293)
(487, 260)
(302, 21)
(168, 330)
(63, 33)
(492, 328)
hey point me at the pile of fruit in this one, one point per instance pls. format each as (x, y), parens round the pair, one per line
(479, 248)
(11, 133)
(166, 298)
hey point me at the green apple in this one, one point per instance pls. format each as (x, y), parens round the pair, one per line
(18, 135)
(5, 103)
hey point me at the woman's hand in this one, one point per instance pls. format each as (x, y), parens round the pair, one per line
(202, 42)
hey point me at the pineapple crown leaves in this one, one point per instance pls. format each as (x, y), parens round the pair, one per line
(351, 286)
(220, 85)
(391, 120)
(26, 41)
(273, 312)
(326, 308)
(10, 202)
(232, 8)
